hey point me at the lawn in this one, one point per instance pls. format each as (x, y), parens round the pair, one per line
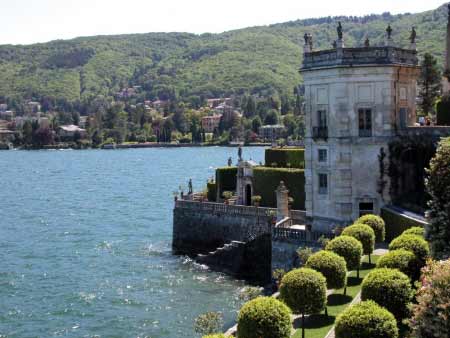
(317, 326)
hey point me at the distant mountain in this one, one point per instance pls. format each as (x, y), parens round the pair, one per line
(258, 60)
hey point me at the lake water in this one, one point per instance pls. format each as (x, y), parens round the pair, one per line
(85, 244)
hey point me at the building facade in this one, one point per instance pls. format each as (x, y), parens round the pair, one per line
(357, 100)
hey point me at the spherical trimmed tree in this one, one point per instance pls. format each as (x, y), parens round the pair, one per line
(403, 260)
(304, 291)
(366, 320)
(376, 223)
(348, 248)
(389, 288)
(418, 231)
(331, 266)
(364, 234)
(414, 243)
(264, 317)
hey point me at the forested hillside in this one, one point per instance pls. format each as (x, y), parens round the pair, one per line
(259, 60)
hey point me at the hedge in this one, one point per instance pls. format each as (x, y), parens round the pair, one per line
(212, 191)
(266, 181)
(304, 291)
(397, 223)
(413, 243)
(349, 248)
(226, 179)
(418, 231)
(403, 260)
(389, 288)
(364, 234)
(443, 111)
(264, 317)
(376, 223)
(282, 156)
(331, 266)
(366, 320)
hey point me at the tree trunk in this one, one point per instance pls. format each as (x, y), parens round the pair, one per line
(303, 325)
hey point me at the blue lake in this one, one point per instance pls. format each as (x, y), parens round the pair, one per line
(85, 244)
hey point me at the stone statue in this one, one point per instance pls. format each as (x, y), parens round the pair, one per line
(230, 161)
(367, 43)
(389, 31)
(190, 187)
(306, 37)
(334, 44)
(240, 153)
(413, 36)
(339, 30)
(310, 40)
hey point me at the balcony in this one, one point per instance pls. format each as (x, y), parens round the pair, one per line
(320, 133)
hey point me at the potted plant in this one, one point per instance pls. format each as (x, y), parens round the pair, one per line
(256, 200)
(227, 195)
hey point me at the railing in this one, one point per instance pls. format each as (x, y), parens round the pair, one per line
(298, 235)
(284, 223)
(225, 208)
(320, 133)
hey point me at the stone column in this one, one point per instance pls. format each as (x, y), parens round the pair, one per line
(282, 201)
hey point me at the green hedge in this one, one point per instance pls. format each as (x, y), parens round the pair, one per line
(443, 111)
(294, 156)
(212, 191)
(266, 181)
(396, 223)
(226, 179)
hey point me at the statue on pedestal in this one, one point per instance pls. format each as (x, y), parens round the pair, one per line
(367, 43)
(191, 190)
(339, 31)
(240, 153)
(413, 36)
(389, 32)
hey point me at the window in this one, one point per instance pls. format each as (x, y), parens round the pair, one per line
(322, 118)
(365, 122)
(323, 155)
(323, 184)
(365, 208)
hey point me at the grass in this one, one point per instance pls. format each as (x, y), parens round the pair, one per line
(317, 326)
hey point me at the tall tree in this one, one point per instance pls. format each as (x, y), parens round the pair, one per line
(430, 83)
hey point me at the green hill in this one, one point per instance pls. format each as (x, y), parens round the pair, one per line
(259, 60)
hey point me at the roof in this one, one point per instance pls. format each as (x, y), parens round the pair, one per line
(72, 128)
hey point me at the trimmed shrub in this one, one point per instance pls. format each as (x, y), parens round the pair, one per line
(443, 111)
(377, 225)
(348, 248)
(366, 320)
(390, 289)
(208, 323)
(212, 191)
(418, 231)
(331, 266)
(264, 317)
(304, 291)
(403, 260)
(413, 243)
(226, 179)
(362, 233)
(396, 223)
(266, 181)
(284, 156)
(431, 314)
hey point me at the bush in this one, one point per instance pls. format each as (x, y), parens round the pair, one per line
(208, 323)
(331, 266)
(412, 243)
(266, 181)
(219, 335)
(264, 317)
(443, 111)
(364, 234)
(397, 223)
(212, 191)
(282, 157)
(348, 248)
(390, 289)
(418, 231)
(431, 314)
(366, 320)
(438, 183)
(226, 179)
(377, 225)
(403, 260)
(304, 291)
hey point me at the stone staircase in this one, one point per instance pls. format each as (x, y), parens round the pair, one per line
(226, 258)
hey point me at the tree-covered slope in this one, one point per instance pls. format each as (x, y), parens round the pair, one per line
(255, 60)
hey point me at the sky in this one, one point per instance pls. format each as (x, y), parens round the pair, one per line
(31, 21)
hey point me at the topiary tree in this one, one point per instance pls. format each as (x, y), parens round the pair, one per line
(366, 320)
(348, 248)
(376, 223)
(208, 323)
(264, 317)
(389, 288)
(438, 232)
(418, 231)
(331, 266)
(412, 243)
(403, 260)
(304, 291)
(364, 234)
(431, 314)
